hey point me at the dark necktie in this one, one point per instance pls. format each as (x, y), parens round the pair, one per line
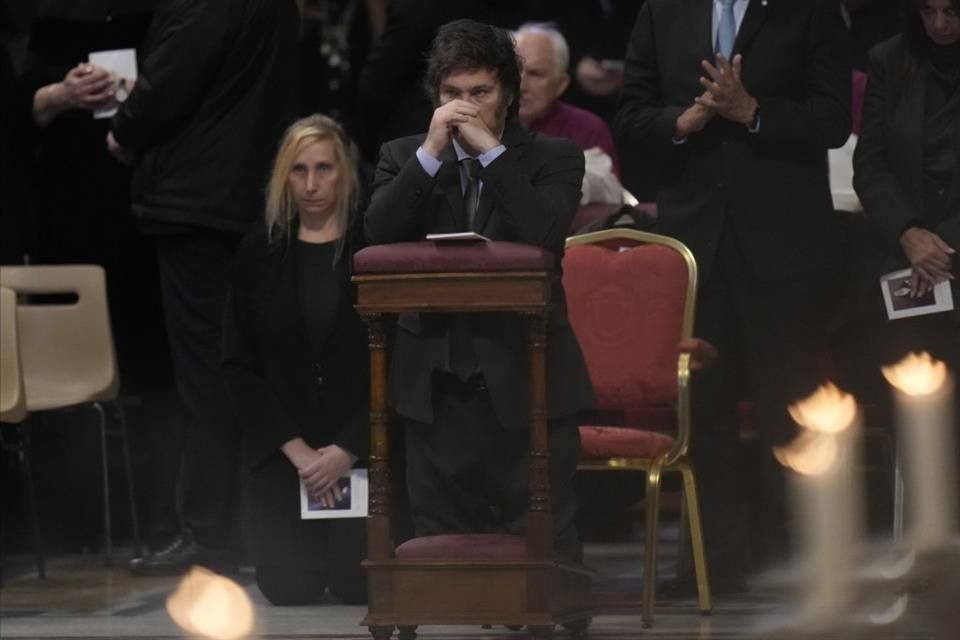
(471, 192)
(463, 360)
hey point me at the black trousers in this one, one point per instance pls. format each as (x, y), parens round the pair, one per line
(466, 473)
(341, 545)
(771, 338)
(194, 275)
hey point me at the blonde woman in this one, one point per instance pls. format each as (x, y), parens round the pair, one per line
(296, 363)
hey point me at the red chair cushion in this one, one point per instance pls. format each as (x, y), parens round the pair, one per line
(619, 442)
(660, 418)
(447, 257)
(467, 546)
(626, 308)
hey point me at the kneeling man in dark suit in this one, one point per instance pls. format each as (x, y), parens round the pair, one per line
(459, 380)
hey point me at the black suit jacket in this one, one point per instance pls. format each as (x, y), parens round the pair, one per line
(280, 390)
(771, 186)
(216, 87)
(529, 195)
(888, 163)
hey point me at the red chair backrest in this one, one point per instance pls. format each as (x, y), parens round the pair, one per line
(626, 304)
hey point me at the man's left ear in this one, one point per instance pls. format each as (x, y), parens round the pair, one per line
(564, 83)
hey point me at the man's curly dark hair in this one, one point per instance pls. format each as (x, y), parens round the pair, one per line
(468, 45)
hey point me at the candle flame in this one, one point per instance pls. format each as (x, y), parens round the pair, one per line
(211, 606)
(827, 410)
(811, 453)
(918, 374)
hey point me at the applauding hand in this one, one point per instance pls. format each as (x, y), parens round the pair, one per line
(693, 120)
(725, 93)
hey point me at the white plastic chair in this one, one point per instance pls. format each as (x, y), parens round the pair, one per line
(13, 407)
(68, 359)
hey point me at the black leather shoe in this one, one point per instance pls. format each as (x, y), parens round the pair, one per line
(177, 556)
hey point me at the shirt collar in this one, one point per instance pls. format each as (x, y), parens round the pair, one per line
(461, 153)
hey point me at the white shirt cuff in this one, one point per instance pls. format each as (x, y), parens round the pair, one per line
(489, 156)
(430, 164)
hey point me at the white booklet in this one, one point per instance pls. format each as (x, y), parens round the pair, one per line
(123, 64)
(463, 236)
(352, 504)
(900, 304)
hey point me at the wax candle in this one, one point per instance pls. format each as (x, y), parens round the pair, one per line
(826, 496)
(207, 605)
(926, 426)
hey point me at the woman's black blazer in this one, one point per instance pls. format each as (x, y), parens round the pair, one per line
(279, 387)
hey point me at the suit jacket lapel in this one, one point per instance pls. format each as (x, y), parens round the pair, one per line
(753, 19)
(514, 137)
(484, 209)
(448, 179)
(282, 318)
(911, 119)
(701, 16)
(285, 306)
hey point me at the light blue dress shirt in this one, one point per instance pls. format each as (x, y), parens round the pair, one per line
(739, 10)
(432, 165)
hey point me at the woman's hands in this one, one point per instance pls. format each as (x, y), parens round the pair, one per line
(930, 257)
(86, 86)
(320, 469)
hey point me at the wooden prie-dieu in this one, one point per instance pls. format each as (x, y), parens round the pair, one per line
(464, 579)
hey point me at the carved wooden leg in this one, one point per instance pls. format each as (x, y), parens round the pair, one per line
(407, 632)
(379, 545)
(539, 517)
(381, 633)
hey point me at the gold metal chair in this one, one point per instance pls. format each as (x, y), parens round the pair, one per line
(68, 359)
(631, 298)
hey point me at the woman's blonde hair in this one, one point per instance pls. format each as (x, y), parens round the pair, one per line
(281, 210)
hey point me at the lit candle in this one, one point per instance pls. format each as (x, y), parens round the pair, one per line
(826, 496)
(925, 428)
(208, 605)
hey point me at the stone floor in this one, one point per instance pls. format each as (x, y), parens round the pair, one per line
(81, 598)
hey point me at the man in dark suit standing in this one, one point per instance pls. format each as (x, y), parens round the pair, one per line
(215, 89)
(457, 380)
(739, 100)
